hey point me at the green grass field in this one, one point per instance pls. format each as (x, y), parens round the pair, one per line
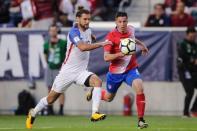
(112, 123)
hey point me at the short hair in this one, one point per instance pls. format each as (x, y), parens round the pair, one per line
(121, 14)
(160, 4)
(81, 11)
(56, 26)
(190, 29)
(52, 25)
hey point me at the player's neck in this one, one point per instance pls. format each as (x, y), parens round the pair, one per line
(121, 31)
(77, 25)
(81, 28)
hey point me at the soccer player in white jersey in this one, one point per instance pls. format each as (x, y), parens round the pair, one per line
(74, 68)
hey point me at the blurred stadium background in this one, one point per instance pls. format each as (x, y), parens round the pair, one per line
(22, 60)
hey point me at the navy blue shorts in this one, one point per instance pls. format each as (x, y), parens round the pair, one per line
(115, 80)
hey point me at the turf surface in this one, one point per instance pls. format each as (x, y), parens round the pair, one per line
(112, 123)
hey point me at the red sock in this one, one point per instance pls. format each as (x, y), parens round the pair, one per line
(140, 102)
(103, 92)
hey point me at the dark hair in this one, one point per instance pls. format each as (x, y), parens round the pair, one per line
(190, 29)
(121, 14)
(55, 25)
(81, 11)
(160, 4)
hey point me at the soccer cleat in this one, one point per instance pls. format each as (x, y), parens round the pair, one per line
(89, 94)
(30, 119)
(142, 124)
(97, 117)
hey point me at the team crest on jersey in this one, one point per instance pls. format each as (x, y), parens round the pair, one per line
(76, 39)
(109, 86)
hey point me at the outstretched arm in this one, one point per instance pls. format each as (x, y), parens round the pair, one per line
(109, 57)
(75, 38)
(87, 47)
(142, 46)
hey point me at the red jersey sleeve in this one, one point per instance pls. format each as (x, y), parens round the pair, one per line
(107, 48)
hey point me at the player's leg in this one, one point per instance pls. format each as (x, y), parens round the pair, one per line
(105, 95)
(61, 83)
(113, 82)
(61, 102)
(52, 73)
(91, 80)
(133, 79)
(140, 102)
(50, 110)
(52, 96)
(95, 82)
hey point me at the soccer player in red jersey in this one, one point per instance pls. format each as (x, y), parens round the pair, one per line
(123, 68)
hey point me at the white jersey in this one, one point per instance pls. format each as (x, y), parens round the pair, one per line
(77, 60)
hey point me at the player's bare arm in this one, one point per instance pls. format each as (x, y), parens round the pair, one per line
(83, 46)
(109, 57)
(142, 46)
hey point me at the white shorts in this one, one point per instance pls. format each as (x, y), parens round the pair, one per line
(65, 78)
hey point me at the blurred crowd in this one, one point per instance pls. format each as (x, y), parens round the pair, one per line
(42, 13)
(176, 13)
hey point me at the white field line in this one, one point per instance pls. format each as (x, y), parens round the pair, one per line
(25, 128)
(177, 129)
(157, 129)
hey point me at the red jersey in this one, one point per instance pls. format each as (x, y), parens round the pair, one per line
(43, 9)
(186, 20)
(123, 64)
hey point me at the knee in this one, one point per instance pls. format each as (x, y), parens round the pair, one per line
(98, 83)
(137, 84)
(109, 99)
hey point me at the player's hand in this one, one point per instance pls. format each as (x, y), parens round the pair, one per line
(145, 51)
(105, 43)
(120, 54)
